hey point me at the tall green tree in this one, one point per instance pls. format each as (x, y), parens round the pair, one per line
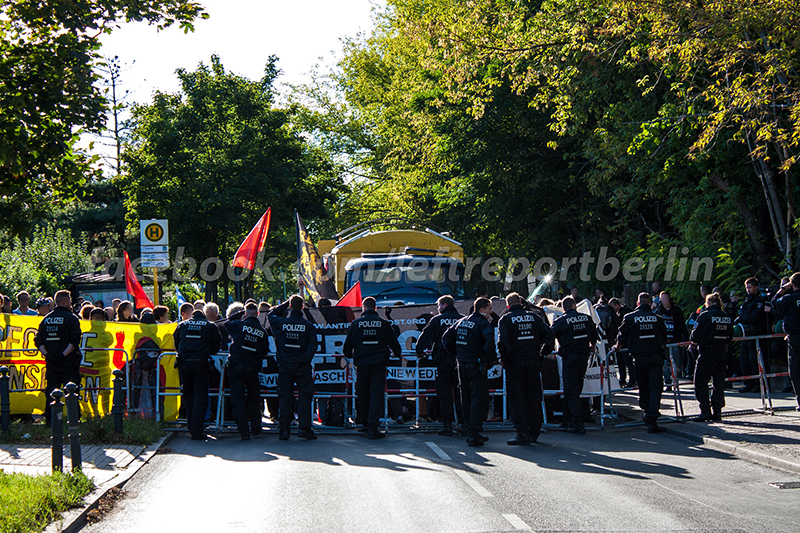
(48, 93)
(213, 157)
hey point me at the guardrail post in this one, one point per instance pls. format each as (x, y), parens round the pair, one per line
(5, 399)
(118, 406)
(73, 423)
(57, 438)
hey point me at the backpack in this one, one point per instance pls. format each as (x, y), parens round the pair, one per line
(334, 413)
(604, 313)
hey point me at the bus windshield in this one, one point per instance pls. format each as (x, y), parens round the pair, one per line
(409, 279)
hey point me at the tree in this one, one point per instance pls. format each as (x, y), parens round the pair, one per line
(212, 158)
(48, 94)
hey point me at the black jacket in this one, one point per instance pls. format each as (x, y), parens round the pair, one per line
(249, 344)
(57, 330)
(295, 337)
(523, 335)
(370, 339)
(675, 323)
(196, 338)
(714, 329)
(575, 332)
(752, 315)
(789, 306)
(431, 336)
(643, 332)
(471, 339)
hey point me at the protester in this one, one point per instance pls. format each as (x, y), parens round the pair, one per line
(111, 315)
(6, 304)
(115, 303)
(42, 306)
(199, 305)
(98, 314)
(161, 312)
(186, 311)
(125, 312)
(59, 339)
(24, 299)
(85, 311)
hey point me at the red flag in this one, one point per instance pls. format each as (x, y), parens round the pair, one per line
(352, 298)
(247, 253)
(134, 288)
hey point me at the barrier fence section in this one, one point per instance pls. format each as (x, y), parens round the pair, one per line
(766, 399)
(124, 352)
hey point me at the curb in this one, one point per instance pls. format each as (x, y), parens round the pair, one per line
(739, 451)
(74, 520)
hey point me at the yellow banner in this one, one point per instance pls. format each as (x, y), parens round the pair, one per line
(106, 346)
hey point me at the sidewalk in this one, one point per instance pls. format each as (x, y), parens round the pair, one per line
(108, 466)
(771, 440)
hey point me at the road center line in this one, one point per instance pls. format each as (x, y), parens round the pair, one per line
(474, 484)
(517, 522)
(438, 451)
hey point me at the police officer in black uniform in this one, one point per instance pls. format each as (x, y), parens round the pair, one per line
(248, 348)
(787, 301)
(59, 341)
(713, 334)
(645, 335)
(753, 319)
(295, 344)
(369, 341)
(471, 339)
(196, 340)
(446, 369)
(524, 338)
(577, 336)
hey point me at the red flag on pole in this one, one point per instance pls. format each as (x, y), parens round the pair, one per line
(352, 298)
(247, 253)
(134, 288)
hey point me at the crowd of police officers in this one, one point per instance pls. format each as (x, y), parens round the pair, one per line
(463, 349)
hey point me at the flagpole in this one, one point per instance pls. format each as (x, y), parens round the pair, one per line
(156, 292)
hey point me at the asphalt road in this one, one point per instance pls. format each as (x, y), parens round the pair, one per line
(615, 480)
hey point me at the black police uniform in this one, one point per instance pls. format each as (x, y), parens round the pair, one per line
(624, 360)
(369, 341)
(196, 340)
(446, 368)
(645, 335)
(789, 305)
(523, 339)
(576, 333)
(59, 329)
(713, 334)
(295, 344)
(472, 341)
(753, 319)
(248, 348)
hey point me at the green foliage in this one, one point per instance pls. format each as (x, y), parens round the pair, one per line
(48, 94)
(29, 503)
(40, 264)
(212, 158)
(94, 430)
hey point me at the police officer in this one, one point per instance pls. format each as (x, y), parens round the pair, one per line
(295, 344)
(59, 341)
(196, 340)
(446, 369)
(787, 301)
(753, 319)
(524, 338)
(577, 336)
(645, 335)
(713, 334)
(471, 339)
(248, 348)
(369, 341)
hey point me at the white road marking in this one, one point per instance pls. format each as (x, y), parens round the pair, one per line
(517, 522)
(474, 484)
(438, 451)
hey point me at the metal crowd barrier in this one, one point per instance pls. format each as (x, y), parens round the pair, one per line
(109, 388)
(766, 399)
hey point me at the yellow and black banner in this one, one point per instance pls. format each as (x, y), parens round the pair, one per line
(312, 273)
